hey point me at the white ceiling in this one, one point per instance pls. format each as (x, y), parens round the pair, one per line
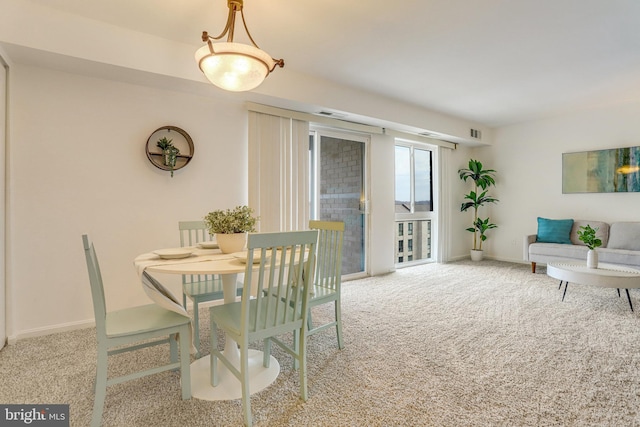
(495, 62)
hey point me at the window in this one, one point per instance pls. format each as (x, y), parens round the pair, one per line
(414, 205)
(414, 184)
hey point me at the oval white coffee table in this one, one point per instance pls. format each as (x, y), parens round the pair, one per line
(606, 276)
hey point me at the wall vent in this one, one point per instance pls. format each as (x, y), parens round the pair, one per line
(475, 134)
(331, 114)
(428, 135)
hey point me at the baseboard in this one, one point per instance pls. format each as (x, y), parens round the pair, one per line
(458, 258)
(489, 257)
(48, 330)
(514, 261)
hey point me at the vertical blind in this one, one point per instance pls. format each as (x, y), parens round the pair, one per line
(279, 172)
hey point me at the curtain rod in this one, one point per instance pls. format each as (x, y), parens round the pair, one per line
(358, 127)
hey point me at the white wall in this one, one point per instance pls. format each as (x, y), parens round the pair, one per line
(382, 205)
(79, 166)
(528, 158)
(461, 241)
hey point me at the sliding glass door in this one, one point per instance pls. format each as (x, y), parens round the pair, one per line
(337, 164)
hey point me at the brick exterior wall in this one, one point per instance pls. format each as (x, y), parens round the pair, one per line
(341, 183)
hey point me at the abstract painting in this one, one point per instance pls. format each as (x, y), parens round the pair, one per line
(615, 170)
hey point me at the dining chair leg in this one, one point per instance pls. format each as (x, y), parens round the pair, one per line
(309, 321)
(213, 359)
(185, 366)
(296, 349)
(244, 376)
(338, 311)
(173, 348)
(100, 388)
(213, 364)
(196, 327)
(266, 354)
(302, 358)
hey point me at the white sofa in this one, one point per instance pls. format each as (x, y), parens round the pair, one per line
(620, 245)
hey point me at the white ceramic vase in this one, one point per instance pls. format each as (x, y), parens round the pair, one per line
(592, 258)
(230, 243)
(476, 255)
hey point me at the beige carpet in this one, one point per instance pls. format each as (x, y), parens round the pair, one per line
(460, 344)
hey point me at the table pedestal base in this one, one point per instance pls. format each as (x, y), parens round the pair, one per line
(228, 387)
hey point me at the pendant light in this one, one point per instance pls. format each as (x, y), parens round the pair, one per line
(234, 66)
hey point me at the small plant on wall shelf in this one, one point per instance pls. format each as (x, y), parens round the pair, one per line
(169, 151)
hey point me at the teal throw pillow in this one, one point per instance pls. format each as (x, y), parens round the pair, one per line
(554, 230)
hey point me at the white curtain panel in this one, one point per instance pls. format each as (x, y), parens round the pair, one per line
(444, 205)
(279, 172)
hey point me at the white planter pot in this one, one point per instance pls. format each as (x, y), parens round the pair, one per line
(476, 255)
(230, 243)
(592, 258)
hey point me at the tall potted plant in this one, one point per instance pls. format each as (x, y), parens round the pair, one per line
(482, 179)
(230, 227)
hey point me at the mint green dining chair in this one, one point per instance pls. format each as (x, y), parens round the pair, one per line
(202, 287)
(131, 329)
(327, 278)
(277, 306)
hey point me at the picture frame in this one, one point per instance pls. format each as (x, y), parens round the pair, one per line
(615, 170)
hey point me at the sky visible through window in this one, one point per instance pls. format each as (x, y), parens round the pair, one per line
(403, 175)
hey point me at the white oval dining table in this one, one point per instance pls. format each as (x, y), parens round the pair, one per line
(212, 261)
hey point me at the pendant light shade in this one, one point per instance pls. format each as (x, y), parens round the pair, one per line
(234, 66)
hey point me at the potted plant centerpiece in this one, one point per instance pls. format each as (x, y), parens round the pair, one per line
(587, 235)
(170, 152)
(482, 179)
(230, 227)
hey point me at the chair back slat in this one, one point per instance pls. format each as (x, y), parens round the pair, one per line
(97, 287)
(296, 276)
(282, 279)
(329, 260)
(192, 233)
